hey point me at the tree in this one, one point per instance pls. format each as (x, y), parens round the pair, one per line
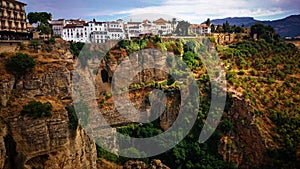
(45, 29)
(213, 28)
(20, 64)
(42, 19)
(39, 17)
(173, 22)
(208, 22)
(226, 27)
(182, 28)
(264, 32)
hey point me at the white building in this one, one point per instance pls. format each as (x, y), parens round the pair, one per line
(76, 33)
(133, 29)
(101, 32)
(99, 37)
(162, 27)
(95, 32)
(58, 25)
(199, 29)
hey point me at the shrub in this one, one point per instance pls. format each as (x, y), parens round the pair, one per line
(73, 120)
(37, 109)
(50, 41)
(75, 48)
(35, 43)
(20, 64)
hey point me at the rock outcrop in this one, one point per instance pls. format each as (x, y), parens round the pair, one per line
(32, 143)
(245, 146)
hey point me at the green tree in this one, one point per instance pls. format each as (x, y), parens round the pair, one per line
(36, 17)
(213, 28)
(226, 27)
(208, 22)
(264, 32)
(173, 22)
(76, 47)
(42, 18)
(182, 28)
(19, 65)
(45, 29)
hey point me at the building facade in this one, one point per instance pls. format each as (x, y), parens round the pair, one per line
(101, 32)
(95, 32)
(162, 27)
(12, 19)
(199, 29)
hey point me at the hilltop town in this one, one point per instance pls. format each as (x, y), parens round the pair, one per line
(15, 25)
(53, 93)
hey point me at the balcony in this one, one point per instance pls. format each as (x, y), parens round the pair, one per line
(3, 5)
(17, 7)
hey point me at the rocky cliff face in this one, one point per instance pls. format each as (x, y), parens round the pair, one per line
(46, 142)
(246, 145)
(30, 143)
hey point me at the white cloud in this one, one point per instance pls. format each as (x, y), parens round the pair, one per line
(200, 10)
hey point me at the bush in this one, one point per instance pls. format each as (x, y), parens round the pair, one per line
(20, 64)
(37, 109)
(35, 43)
(73, 120)
(50, 41)
(75, 48)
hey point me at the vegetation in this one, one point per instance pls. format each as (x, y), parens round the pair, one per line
(227, 28)
(19, 65)
(42, 19)
(36, 17)
(264, 71)
(37, 109)
(76, 47)
(182, 28)
(264, 32)
(73, 120)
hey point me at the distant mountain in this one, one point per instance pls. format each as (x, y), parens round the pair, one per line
(289, 26)
(238, 21)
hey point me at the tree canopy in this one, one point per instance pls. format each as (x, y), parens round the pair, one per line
(264, 32)
(182, 28)
(208, 22)
(20, 64)
(42, 17)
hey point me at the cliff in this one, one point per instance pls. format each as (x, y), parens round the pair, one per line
(30, 143)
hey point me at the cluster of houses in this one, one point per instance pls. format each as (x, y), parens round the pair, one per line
(13, 26)
(78, 30)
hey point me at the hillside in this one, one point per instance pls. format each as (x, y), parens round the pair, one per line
(258, 129)
(259, 125)
(288, 26)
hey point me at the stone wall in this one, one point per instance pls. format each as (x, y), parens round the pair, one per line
(9, 47)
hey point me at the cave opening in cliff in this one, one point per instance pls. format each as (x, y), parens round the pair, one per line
(104, 76)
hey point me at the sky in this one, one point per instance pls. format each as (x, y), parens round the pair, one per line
(194, 11)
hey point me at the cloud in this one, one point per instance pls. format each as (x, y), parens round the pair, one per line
(192, 10)
(199, 10)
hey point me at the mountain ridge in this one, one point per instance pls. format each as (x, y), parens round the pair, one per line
(286, 27)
